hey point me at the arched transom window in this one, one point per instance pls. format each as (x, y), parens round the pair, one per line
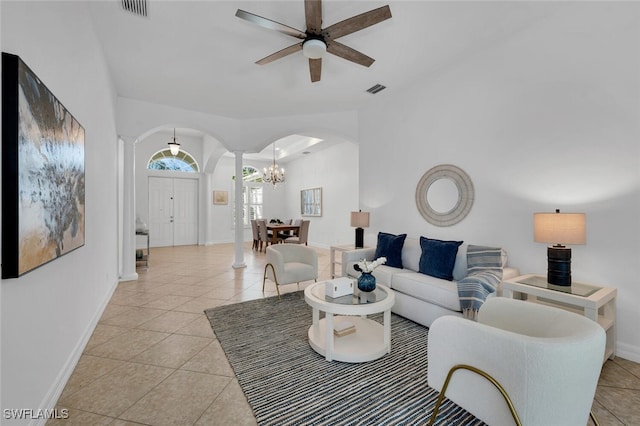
(182, 162)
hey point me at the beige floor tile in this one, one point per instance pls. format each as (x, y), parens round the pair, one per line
(187, 290)
(89, 369)
(604, 416)
(132, 316)
(212, 360)
(190, 279)
(221, 293)
(127, 345)
(614, 374)
(229, 408)
(623, 403)
(113, 393)
(167, 302)
(173, 351)
(113, 309)
(200, 327)
(103, 333)
(169, 322)
(120, 422)
(165, 289)
(133, 298)
(199, 304)
(179, 400)
(79, 418)
(632, 367)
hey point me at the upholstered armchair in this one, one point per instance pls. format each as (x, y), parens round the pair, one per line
(289, 263)
(545, 360)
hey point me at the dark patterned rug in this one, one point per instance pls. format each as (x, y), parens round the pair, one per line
(288, 383)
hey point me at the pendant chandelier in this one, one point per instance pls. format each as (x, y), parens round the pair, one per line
(273, 174)
(173, 145)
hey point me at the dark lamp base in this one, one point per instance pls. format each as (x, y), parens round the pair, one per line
(559, 266)
(359, 238)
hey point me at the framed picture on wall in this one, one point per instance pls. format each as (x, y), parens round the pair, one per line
(220, 197)
(311, 202)
(43, 176)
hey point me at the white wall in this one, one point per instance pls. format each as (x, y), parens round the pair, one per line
(48, 314)
(221, 219)
(335, 170)
(548, 119)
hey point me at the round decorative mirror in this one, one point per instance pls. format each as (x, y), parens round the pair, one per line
(444, 195)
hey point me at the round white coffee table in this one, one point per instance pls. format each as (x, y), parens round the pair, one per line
(371, 339)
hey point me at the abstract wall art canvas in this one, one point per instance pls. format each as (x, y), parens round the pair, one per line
(43, 175)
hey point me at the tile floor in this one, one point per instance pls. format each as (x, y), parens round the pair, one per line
(154, 360)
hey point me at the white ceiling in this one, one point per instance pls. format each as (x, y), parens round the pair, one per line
(197, 55)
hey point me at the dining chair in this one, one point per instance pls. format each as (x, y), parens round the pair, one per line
(301, 238)
(283, 235)
(256, 234)
(265, 236)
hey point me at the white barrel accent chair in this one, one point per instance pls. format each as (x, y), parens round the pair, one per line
(547, 361)
(290, 263)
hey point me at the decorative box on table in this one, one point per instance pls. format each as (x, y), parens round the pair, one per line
(339, 287)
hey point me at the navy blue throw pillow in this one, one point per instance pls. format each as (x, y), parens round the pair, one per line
(390, 246)
(438, 257)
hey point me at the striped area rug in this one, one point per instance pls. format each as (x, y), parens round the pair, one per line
(287, 383)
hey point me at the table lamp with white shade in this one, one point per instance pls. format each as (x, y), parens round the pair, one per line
(360, 220)
(561, 229)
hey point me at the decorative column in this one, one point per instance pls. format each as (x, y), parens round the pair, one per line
(239, 263)
(208, 238)
(128, 183)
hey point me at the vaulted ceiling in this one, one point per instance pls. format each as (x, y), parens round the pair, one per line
(197, 55)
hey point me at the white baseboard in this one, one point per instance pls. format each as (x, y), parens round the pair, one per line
(628, 352)
(130, 277)
(52, 396)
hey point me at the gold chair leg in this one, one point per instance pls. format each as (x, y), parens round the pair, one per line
(592, 415)
(275, 278)
(481, 373)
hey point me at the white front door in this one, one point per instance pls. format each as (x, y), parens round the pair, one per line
(173, 211)
(185, 212)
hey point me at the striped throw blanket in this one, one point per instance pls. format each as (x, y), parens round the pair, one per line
(484, 265)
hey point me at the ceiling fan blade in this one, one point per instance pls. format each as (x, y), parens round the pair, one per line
(349, 54)
(280, 54)
(270, 24)
(315, 69)
(313, 15)
(357, 23)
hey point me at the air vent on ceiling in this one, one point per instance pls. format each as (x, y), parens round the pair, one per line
(375, 89)
(137, 7)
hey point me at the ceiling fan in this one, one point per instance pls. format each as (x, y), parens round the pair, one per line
(315, 40)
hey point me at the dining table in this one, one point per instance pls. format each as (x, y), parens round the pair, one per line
(280, 227)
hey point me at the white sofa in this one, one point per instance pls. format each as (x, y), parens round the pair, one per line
(419, 297)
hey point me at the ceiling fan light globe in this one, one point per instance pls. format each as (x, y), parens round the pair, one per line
(314, 48)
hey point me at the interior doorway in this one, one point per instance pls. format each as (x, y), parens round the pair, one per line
(173, 211)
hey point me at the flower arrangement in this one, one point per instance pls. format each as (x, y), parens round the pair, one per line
(368, 266)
